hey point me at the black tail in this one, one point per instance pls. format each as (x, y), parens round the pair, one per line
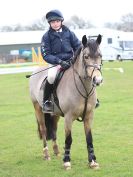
(49, 123)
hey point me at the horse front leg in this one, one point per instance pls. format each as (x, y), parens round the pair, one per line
(42, 129)
(89, 140)
(68, 142)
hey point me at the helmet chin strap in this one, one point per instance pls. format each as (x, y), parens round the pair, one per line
(59, 28)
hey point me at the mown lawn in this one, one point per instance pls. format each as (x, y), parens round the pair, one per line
(21, 149)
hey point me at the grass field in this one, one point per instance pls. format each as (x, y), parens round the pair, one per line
(21, 149)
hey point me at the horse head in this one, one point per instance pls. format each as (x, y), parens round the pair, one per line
(92, 59)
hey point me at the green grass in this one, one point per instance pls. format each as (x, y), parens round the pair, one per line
(21, 149)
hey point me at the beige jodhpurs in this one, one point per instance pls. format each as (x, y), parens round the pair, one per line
(52, 73)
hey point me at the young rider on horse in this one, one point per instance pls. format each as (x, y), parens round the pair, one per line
(57, 48)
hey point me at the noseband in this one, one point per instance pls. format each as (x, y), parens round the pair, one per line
(94, 66)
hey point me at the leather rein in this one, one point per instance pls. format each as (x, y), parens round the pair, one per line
(91, 91)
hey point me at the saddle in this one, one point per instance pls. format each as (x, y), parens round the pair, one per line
(59, 75)
(54, 97)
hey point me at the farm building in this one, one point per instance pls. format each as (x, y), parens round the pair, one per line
(18, 44)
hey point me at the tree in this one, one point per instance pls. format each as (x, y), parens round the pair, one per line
(126, 23)
(18, 27)
(78, 23)
(6, 28)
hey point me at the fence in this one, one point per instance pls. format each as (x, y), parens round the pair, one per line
(37, 57)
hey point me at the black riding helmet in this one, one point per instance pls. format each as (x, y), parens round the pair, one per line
(54, 15)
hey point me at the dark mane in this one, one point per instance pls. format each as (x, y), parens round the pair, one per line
(76, 54)
(92, 44)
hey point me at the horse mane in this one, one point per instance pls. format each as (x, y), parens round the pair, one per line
(92, 44)
(76, 54)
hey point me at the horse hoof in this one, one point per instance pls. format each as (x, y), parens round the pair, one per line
(94, 165)
(56, 150)
(58, 155)
(67, 165)
(47, 158)
(46, 154)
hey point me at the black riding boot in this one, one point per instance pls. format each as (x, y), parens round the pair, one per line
(47, 104)
(97, 103)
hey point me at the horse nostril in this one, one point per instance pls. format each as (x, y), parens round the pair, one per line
(94, 79)
(97, 80)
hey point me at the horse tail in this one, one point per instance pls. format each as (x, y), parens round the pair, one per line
(49, 123)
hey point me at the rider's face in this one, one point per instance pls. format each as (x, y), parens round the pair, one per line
(56, 24)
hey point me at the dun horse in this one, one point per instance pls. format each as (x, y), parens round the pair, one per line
(76, 93)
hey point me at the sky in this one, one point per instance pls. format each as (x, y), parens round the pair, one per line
(97, 12)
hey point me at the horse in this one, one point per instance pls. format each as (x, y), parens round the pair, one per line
(76, 93)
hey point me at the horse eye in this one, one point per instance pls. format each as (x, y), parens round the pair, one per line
(86, 56)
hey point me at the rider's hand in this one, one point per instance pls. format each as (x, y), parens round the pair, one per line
(64, 64)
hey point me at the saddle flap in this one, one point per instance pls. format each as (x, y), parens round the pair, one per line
(59, 75)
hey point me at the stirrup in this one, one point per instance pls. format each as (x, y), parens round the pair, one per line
(48, 107)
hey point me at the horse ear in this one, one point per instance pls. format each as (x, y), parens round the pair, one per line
(99, 39)
(84, 40)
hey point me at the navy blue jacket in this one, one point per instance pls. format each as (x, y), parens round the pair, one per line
(59, 45)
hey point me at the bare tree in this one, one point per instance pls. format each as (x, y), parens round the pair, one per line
(78, 23)
(6, 28)
(126, 23)
(18, 27)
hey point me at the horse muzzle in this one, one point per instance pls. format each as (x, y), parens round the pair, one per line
(97, 80)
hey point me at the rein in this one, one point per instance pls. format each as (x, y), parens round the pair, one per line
(88, 94)
(27, 76)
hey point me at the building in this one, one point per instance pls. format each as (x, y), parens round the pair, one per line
(18, 44)
(115, 45)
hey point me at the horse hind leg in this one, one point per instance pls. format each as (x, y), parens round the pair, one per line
(39, 132)
(56, 148)
(51, 122)
(41, 129)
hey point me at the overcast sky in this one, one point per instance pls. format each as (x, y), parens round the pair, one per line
(96, 11)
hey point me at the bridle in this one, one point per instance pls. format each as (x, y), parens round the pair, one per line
(86, 77)
(94, 66)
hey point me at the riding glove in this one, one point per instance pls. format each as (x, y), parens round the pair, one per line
(64, 64)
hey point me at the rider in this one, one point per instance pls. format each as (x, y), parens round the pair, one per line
(57, 48)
